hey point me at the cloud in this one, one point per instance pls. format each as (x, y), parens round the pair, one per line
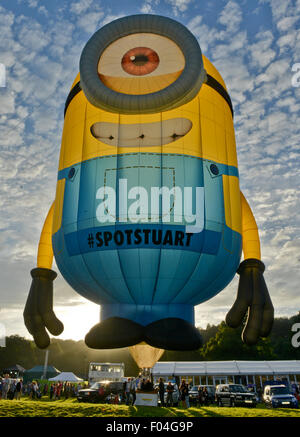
(286, 23)
(231, 16)
(31, 35)
(90, 21)
(81, 6)
(7, 102)
(148, 6)
(179, 5)
(279, 9)
(109, 18)
(261, 51)
(207, 36)
(41, 58)
(32, 3)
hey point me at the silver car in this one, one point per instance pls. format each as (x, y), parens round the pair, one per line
(279, 396)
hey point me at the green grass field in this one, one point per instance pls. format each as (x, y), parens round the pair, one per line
(71, 408)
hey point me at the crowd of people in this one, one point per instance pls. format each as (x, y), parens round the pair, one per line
(168, 396)
(15, 388)
(132, 385)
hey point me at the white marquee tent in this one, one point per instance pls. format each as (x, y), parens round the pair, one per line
(66, 377)
(222, 371)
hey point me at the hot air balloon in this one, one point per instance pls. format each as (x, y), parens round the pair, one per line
(148, 218)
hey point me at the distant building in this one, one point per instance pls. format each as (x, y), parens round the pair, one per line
(106, 372)
(223, 372)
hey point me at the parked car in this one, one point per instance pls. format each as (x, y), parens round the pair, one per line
(100, 391)
(193, 393)
(253, 389)
(275, 396)
(234, 395)
(175, 394)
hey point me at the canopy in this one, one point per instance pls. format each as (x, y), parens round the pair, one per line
(15, 368)
(66, 377)
(215, 368)
(37, 372)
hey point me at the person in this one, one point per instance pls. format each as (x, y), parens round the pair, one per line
(127, 390)
(59, 390)
(259, 394)
(54, 392)
(143, 384)
(148, 385)
(51, 392)
(12, 389)
(18, 390)
(161, 390)
(205, 396)
(187, 396)
(101, 392)
(184, 394)
(170, 390)
(138, 382)
(5, 386)
(68, 391)
(33, 390)
(45, 389)
(132, 391)
(200, 396)
(38, 391)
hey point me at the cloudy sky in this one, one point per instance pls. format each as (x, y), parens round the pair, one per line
(253, 44)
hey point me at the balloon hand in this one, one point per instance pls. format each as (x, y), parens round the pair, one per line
(252, 296)
(38, 313)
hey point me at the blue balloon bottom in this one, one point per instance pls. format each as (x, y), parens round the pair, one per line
(145, 314)
(145, 271)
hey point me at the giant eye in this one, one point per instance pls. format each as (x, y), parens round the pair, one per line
(140, 61)
(140, 64)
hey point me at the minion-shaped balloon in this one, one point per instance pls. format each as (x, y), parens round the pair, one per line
(148, 218)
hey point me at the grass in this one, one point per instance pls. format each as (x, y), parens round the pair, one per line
(71, 408)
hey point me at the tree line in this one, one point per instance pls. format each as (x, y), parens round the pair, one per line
(220, 343)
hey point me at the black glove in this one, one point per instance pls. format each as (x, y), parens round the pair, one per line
(253, 296)
(38, 313)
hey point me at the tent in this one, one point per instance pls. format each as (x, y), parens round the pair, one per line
(66, 377)
(37, 372)
(221, 371)
(14, 371)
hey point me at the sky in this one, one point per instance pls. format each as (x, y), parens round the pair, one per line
(254, 45)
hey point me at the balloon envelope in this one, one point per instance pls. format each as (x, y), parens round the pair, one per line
(144, 355)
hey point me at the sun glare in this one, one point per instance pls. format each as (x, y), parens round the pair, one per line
(78, 319)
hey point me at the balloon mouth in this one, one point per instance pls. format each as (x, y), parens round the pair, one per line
(154, 134)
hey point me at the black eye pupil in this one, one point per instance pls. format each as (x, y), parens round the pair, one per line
(71, 173)
(140, 60)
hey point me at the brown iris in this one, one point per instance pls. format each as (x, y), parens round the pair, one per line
(140, 61)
